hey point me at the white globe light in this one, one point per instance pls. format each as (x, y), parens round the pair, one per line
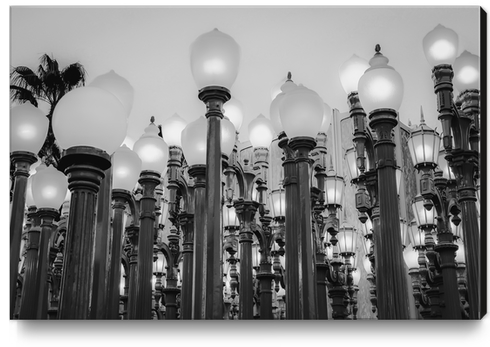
(172, 128)
(260, 132)
(152, 150)
(90, 116)
(28, 128)
(351, 71)
(228, 136)
(194, 142)
(440, 45)
(233, 109)
(467, 72)
(118, 86)
(49, 187)
(215, 57)
(126, 168)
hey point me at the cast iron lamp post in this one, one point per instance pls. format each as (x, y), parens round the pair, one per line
(153, 152)
(461, 134)
(380, 91)
(424, 148)
(49, 188)
(28, 129)
(82, 111)
(126, 169)
(215, 58)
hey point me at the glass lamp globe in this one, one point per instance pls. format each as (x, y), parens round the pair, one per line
(49, 187)
(274, 108)
(194, 142)
(334, 189)
(90, 116)
(152, 150)
(118, 86)
(126, 168)
(28, 128)
(367, 265)
(301, 112)
(447, 171)
(356, 277)
(233, 110)
(440, 45)
(159, 264)
(230, 218)
(276, 89)
(228, 136)
(467, 72)
(347, 239)
(29, 197)
(381, 86)
(172, 128)
(423, 216)
(351, 71)
(278, 199)
(327, 118)
(215, 57)
(416, 236)
(411, 257)
(424, 144)
(460, 253)
(260, 132)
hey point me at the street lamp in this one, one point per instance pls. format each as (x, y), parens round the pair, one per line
(28, 129)
(460, 122)
(153, 152)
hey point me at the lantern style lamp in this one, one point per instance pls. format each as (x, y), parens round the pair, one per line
(416, 235)
(278, 199)
(230, 219)
(424, 146)
(126, 166)
(424, 217)
(334, 189)
(233, 110)
(411, 257)
(153, 152)
(159, 264)
(347, 240)
(215, 57)
(447, 171)
(28, 129)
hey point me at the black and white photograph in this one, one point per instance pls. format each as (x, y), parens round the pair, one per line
(247, 163)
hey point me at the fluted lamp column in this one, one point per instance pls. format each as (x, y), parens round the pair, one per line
(301, 113)
(126, 169)
(215, 58)
(153, 152)
(380, 92)
(28, 129)
(80, 123)
(49, 187)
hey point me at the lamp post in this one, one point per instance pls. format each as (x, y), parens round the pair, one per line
(214, 65)
(126, 169)
(424, 148)
(82, 111)
(153, 152)
(380, 93)
(28, 129)
(460, 123)
(301, 113)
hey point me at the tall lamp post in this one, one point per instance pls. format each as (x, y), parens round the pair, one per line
(28, 129)
(215, 58)
(380, 92)
(461, 129)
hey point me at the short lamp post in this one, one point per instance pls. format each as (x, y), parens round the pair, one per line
(461, 135)
(49, 188)
(83, 111)
(28, 129)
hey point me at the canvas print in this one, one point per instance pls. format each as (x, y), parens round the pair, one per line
(247, 163)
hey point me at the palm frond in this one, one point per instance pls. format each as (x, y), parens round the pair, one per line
(24, 77)
(74, 76)
(22, 95)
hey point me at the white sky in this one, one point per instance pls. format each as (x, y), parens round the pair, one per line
(149, 46)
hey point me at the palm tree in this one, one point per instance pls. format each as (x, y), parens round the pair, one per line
(48, 85)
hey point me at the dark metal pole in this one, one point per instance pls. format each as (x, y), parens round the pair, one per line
(186, 221)
(148, 181)
(22, 162)
(133, 235)
(308, 295)
(84, 167)
(214, 97)
(391, 284)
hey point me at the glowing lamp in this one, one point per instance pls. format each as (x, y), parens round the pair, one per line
(351, 71)
(440, 46)
(215, 57)
(233, 110)
(260, 132)
(28, 128)
(172, 128)
(118, 86)
(152, 150)
(49, 187)
(126, 168)
(467, 72)
(194, 142)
